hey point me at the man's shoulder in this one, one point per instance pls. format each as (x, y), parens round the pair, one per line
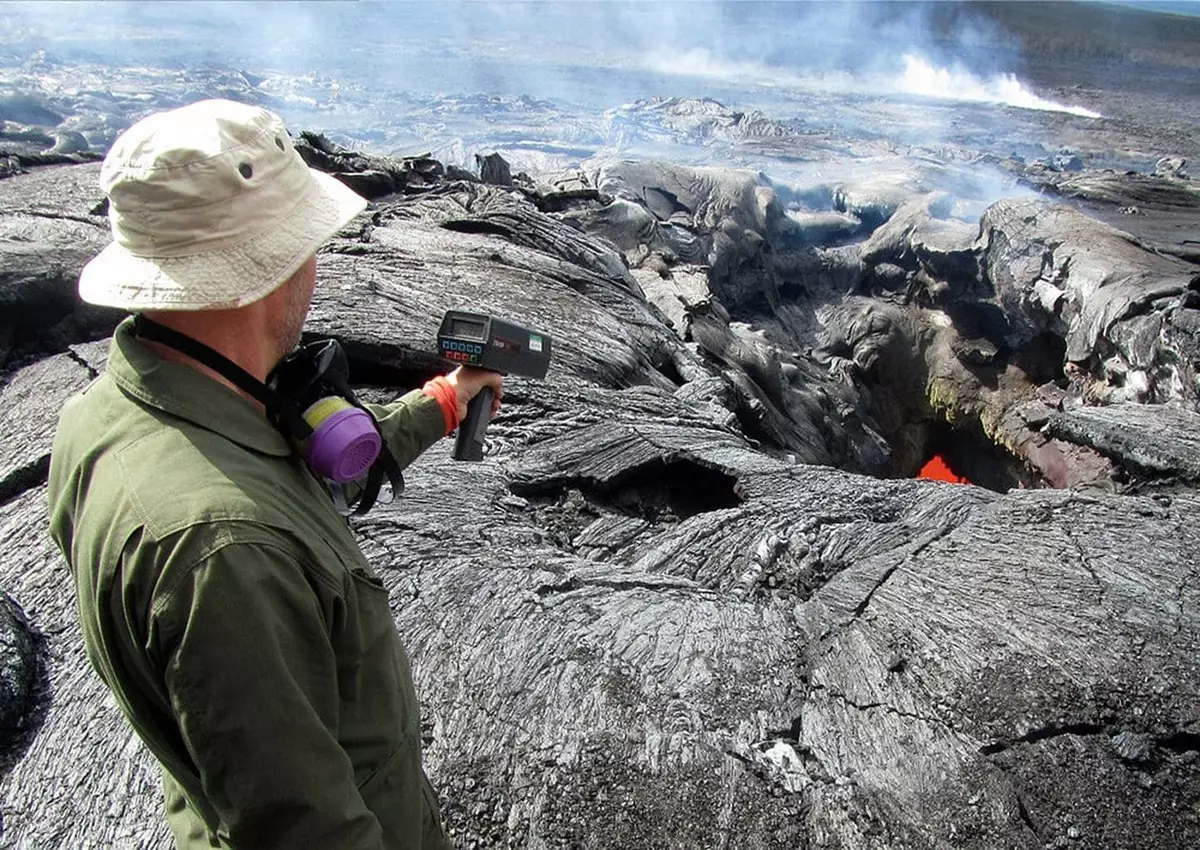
(122, 469)
(167, 472)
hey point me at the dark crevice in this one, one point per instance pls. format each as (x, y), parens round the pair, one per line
(1042, 358)
(881, 706)
(24, 478)
(866, 600)
(39, 328)
(1027, 818)
(555, 202)
(978, 321)
(883, 579)
(1180, 742)
(792, 733)
(658, 491)
(1043, 734)
(472, 225)
(91, 370)
(670, 371)
(62, 216)
(381, 365)
(576, 583)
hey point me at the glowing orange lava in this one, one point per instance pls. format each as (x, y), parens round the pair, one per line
(937, 470)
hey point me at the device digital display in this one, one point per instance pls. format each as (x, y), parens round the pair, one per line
(468, 328)
(489, 342)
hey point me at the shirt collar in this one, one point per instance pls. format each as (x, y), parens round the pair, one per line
(182, 391)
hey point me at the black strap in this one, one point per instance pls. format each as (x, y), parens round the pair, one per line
(198, 351)
(276, 407)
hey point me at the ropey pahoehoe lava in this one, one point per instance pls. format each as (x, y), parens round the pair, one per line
(701, 591)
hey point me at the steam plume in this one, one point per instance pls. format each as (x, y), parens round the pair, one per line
(922, 78)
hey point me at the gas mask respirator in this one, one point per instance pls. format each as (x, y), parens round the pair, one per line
(307, 397)
(336, 435)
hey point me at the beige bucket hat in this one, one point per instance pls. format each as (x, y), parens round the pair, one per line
(211, 208)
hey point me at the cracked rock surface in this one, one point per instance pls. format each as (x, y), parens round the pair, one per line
(691, 599)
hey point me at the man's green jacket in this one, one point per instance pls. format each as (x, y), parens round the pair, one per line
(225, 603)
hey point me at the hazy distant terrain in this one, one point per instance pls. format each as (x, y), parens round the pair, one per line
(549, 82)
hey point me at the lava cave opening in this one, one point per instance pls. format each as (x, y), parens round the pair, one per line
(967, 456)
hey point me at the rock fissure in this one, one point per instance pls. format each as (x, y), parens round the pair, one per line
(24, 478)
(1086, 562)
(1026, 817)
(82, 361)
(574, 583)
(1192, 579)
(886, 707)
(1180, 742)
(97, 222)
(862, 606)
(1045, 733)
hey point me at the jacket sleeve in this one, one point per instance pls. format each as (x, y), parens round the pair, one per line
(251, 676)
(409, 425)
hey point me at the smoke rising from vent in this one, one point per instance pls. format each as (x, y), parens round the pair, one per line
(919, 77)
(922, 78)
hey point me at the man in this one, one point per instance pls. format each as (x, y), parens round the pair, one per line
(223, 598)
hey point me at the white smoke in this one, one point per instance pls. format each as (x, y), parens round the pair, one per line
(920, 77)
(923, 78)
(704, 63)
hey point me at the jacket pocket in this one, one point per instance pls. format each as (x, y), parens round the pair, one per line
(370, 579)
(379, 712)
(434, 833)
(383, 775)
(394, 795)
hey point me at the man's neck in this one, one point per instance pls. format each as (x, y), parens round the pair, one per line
(232, 334)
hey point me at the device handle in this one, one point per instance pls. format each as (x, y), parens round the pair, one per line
(469, 443)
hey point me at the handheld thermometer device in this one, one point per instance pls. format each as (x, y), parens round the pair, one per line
(487, 342)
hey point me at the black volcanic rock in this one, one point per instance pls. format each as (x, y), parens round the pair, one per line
(669, 582)
(18, 672)
(1161, 209)
(494, 169)
(51, 223)
(371, 177)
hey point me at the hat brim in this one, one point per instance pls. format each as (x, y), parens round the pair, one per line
(231, 276)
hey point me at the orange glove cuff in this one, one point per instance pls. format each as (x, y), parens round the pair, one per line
(443, 392)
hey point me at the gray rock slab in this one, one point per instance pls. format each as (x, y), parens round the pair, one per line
(1159, 438)
(1085, 609)
(1107, 279)
(30, 403)
(51, 224)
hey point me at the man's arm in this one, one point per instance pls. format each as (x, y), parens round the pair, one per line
(409, 425)
(418, 419)
(244, 640)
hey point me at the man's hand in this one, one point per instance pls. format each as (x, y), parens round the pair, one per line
(467, 383)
